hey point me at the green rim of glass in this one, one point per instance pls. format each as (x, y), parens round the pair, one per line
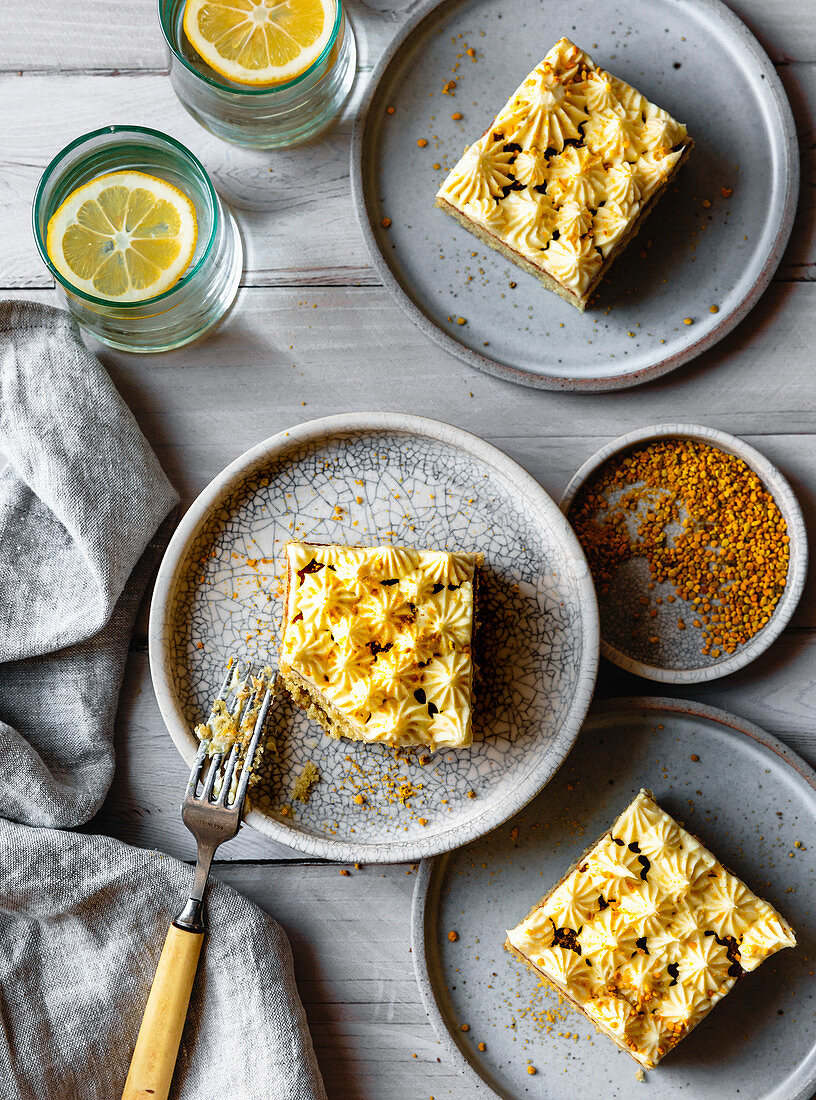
(166, 5)
(122, 130)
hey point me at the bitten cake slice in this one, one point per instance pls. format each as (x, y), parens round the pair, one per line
(564, 176)
(648, 932)
(376, 642)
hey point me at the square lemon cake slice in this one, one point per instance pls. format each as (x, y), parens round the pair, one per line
(377, 642)
(648, 932)
(564, 176)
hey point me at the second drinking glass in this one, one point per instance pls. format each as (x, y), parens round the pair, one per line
(246, 111)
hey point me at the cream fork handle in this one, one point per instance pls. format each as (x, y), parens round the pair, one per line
(154, 1059)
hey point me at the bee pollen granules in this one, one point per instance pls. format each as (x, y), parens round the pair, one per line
(704, 523)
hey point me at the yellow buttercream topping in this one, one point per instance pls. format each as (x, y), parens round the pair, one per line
(385, 633)
(575, 152)
(539, 114)
(573, 260)
(611, 223)
(478, 180)
(649, 931)
(529, 219)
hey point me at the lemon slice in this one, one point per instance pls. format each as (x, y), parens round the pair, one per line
(124, 237)
(259, 41)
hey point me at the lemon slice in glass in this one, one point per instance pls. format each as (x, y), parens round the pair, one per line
(259, 41)
(124, 237)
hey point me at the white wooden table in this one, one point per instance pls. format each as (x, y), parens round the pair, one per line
(313, 333)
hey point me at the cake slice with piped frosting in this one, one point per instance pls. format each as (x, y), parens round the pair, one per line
(647, 932)
(564, 176)
(377, 642)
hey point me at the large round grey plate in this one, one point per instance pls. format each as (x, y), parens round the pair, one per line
(366, 478)
(748, 797)
(693, 57)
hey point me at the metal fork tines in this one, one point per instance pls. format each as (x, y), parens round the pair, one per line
(214, 803)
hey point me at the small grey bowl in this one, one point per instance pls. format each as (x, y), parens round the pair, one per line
(681, 657)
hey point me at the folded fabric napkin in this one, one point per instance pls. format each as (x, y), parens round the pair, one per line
(83, 918)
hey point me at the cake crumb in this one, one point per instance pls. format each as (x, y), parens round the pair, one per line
(304, 783)
(405, 791)
(640, 1076)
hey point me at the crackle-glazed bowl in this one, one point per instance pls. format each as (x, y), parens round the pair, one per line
(363, 479)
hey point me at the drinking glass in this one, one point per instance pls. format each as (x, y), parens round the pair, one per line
(207, 288)
(270, 117)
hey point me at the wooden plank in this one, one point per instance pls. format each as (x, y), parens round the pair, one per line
(288, 355)
(775, 691)
(143, 805)
(372, 1037)
(278, 360)
(295, 210)
(58, 36)
(799, 261)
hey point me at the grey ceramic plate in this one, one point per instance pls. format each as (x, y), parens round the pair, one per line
(747, 796)
(693, 57)
(677, 658)
(367, 478)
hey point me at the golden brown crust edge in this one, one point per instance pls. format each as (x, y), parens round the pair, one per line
(510, 254)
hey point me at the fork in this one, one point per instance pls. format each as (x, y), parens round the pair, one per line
(212, 815)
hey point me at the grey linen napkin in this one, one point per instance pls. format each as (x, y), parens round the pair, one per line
(83, 918)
